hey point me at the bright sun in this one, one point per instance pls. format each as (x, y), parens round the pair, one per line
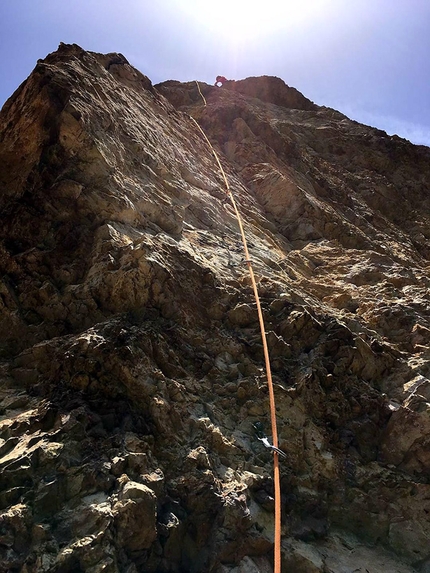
(247, 19)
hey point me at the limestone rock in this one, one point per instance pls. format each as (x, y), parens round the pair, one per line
(136, 516)
(131, 367)
(272, 90)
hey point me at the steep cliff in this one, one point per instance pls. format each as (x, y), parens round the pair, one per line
(131, 362)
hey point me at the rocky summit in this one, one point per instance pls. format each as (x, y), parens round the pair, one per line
(131, 362)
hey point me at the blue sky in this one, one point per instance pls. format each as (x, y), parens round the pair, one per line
(369, 59)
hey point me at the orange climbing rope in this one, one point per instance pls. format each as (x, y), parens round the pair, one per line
(200, 92)
(276, 477)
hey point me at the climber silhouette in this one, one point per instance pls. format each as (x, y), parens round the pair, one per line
(220, 80)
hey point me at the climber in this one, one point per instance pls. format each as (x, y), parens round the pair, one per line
(220, 80)
(259, 432)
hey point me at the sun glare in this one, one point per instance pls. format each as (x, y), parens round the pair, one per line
(248, 19)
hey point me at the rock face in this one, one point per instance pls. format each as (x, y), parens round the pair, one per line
(131, 361)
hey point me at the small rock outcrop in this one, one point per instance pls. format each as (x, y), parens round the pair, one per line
(272, 90)
(131, 365)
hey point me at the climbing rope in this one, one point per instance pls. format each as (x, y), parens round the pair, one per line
(276, 476)
(200, 92)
